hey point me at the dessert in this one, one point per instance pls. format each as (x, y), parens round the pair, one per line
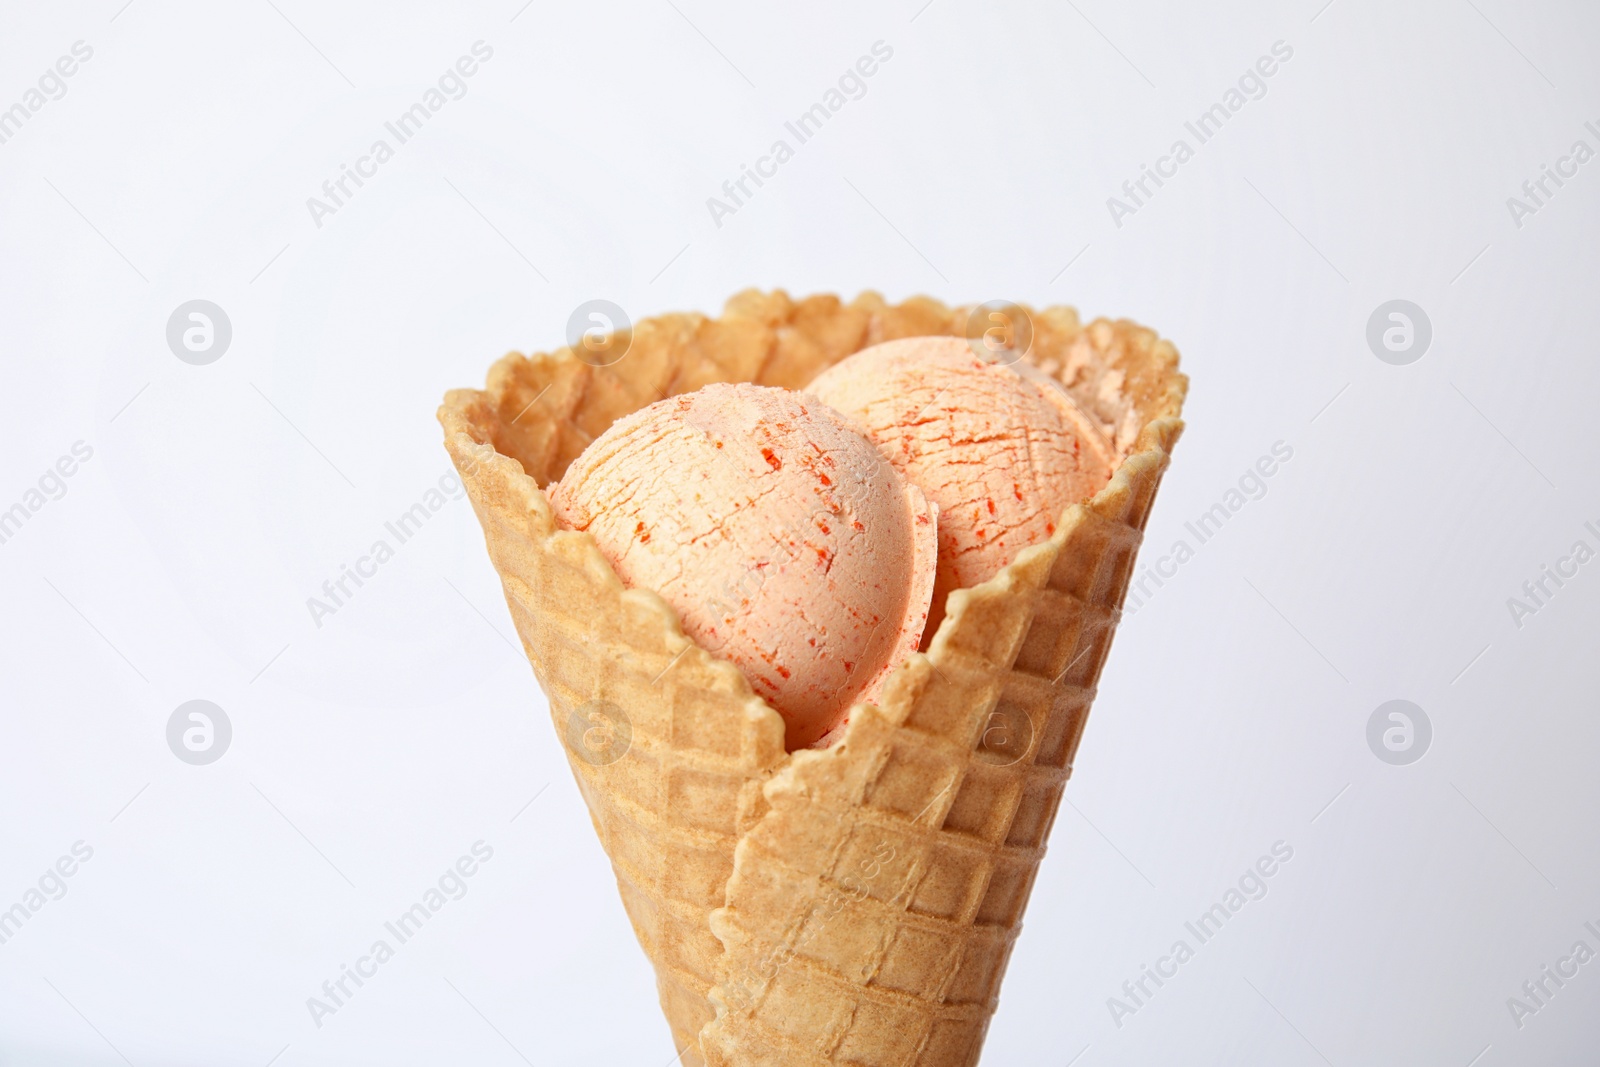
(849, 905)
(782, 539)
(1001, 451)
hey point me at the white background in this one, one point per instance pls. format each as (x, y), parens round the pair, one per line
(372, 751)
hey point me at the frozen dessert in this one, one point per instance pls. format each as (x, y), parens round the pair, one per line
(856, 903)
(1000, 449)
(783, 540)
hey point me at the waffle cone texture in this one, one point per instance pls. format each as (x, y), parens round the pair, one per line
(854, 905)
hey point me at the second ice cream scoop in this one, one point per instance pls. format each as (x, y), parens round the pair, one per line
(784, 541)
(1002, 450)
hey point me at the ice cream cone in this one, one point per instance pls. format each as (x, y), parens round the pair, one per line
(857, 904)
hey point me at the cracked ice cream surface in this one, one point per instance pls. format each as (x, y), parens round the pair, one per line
(1001, 451)
(783, 540)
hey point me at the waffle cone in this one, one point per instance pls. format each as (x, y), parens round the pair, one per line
(854, 905)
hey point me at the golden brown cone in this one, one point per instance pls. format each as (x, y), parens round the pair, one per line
(854, 905)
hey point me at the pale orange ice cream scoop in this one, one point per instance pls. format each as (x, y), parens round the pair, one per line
(781, 537)
(1001, 450)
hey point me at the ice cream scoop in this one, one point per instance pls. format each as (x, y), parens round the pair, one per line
(783, 539)
(1001, 449)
